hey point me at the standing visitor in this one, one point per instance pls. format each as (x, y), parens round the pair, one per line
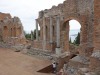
(54, 65)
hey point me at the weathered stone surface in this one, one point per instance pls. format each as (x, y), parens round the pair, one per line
(96, 54)
(18, 48)
(87, 13)
(40, 53)
(11, 29)
(82, 11)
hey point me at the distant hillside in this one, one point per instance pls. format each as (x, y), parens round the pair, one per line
(73, 34)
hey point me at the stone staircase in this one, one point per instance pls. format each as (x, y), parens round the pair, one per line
(5, 45)
(76, 63)
(40, 53)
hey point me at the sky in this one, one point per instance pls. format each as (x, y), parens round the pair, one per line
(27, 10)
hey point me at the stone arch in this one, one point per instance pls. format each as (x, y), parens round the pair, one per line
(65, 33)
(39, 31)
(5, 32)
(11, 33)
(14, 32)
(19, 31)
(46, 28)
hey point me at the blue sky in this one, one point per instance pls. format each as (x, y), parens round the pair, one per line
(27, 10)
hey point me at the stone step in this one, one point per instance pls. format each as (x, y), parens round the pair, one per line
(76, 63)
(79, 61)
(40, 53)
(90, 73)
(82, 71)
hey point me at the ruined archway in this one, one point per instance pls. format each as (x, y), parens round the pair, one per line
(19, 32)
(11, 32)
(65, 33)
(5, 32)
(39, 30)
(14, 33)
(46, 32)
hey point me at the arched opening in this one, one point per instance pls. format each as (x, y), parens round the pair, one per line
(14, 33)
(11, 33)
(53, 30)
(74, 32)
(46, 32)
(19, 31)
(5, 32)
(39, 31)
(69, 32)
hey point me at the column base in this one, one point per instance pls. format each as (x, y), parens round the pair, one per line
(58, 51)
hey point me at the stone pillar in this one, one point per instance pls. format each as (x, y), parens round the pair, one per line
(44, 34)
(37, 36)
(58, 50)
(32, 38)
(51, 32)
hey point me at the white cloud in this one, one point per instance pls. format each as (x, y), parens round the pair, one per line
(26, 10)
(74, 24)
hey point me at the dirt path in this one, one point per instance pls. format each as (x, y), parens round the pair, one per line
(15, 63)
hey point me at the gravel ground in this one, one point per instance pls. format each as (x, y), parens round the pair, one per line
(16, 63)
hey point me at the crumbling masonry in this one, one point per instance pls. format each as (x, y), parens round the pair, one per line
(54, 33)
(11, 30)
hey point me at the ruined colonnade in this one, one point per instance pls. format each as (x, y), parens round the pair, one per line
(50, 33)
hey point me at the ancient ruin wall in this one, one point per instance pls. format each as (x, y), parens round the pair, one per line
(11, 29)
(95, 57)
(80, 10)
(97, 24)
(4, 15)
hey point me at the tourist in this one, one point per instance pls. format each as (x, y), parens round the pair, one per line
(54, 65)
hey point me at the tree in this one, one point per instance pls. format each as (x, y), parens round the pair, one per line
(27, 35)
(70, 41)
(77, 39)
(34, 33)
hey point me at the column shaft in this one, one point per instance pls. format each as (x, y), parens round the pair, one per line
(44, 34)
(51, 30)
(58, 32)
(37, 36)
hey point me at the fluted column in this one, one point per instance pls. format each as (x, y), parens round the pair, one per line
(58, 31)
(32, 38)
(44, 34)
(51, 31)
(37, 36)
(58, 49)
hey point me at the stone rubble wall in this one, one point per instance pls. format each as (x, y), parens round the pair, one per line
(11, 29)
(39, 45)
(87, 13)
(82, 11)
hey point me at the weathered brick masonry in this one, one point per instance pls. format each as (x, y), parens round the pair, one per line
(54, 28)
(11, 29)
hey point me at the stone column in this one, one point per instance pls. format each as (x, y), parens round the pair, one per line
(58, 50)
(37, 37)
(44, 34)
(51, 32)
(32, 38)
